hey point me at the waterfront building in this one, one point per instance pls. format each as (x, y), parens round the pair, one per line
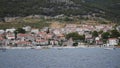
(113, 41)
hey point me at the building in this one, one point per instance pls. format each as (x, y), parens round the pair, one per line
(34, 31)
(2, 31)
(10, 30)
(27, 28)
(10, 36)
(113, 41)
(118, 28)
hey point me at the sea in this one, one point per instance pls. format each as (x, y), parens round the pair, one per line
(60, 58)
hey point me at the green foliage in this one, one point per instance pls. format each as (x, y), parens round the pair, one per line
(100, 32)
(105, 35)
(114, 34)
(20, 30)
(75, 44)
(12, 8)
(39, 25)
(75, 36)
(95, 34)
(68, 19)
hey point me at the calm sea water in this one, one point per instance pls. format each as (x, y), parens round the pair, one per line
(65, 58)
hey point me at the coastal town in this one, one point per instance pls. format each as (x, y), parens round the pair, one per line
(89, 35)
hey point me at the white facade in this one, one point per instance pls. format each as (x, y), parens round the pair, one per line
(2, 31)
(27, 28)
(35, 31)
(56, 32)
(10, 36)
(113, 41)
(10, 30)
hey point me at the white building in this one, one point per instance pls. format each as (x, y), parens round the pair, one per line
(35, 31)
(56, 31)
(118, 28)
(10, 36)
(27, 28)
(10, 30)
(113, 41)
(2, 31)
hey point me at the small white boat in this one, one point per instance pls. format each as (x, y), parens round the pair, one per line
(38, 47)
(109, 48)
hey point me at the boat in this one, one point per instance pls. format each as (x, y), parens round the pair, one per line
(110, 47)
(60, 48)
(37, 47)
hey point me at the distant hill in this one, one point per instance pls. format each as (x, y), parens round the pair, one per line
(109, 9)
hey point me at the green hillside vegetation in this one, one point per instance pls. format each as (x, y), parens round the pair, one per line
(108, 9)
(21, 22)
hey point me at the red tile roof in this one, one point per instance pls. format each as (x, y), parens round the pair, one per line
(23, 42)
(23, 35)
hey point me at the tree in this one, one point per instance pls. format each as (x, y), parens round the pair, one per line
(20, 30)
(15, 32)
(82, 37)
(105, 35)
(75, 36)
(48, 30)
(95, 34)
(100, 32)
(75, 44)
(114, 34)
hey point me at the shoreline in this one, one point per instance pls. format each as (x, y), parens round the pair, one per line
(50, 47)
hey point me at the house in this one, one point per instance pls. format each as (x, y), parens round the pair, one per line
(71, 26)
(118, 28)
(10, 36)
(97, 40)
(56, 31)
(70, 42)
(23, 43)
(1, 39)
(45, 29)
(2, 31)
(27, 28)
(113, 41)
(22, 37)
(10, 30)
(34, 31)
(42, 42)
(53, 42)
(88, 38)
(49, 36)
(105, 28)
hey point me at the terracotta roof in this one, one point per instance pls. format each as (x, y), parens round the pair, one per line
(23, 42)
(112, 38)
(23, 35)
(60, 35)
(1, 38)
(42, 33)
(40, 40)
(11, 36)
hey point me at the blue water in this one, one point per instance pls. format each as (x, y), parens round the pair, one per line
(65, 58)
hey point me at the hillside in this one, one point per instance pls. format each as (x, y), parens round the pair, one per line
(108, 9)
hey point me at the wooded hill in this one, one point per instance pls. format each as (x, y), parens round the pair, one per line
(109, 9)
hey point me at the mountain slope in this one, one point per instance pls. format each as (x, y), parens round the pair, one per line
(108, 9)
